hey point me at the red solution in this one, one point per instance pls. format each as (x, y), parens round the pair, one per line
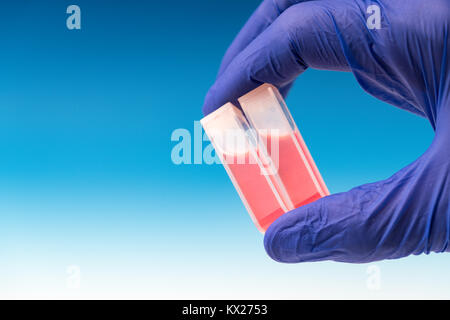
(295, 171)
(255, 190)
(299, 178)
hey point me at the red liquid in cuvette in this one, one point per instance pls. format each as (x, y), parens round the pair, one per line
(254, 187)
(299, 176)
(316, 172)
(296, 169)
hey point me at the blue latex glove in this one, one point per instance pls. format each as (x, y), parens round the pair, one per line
(405, 63)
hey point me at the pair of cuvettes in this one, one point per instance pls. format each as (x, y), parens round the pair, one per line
(264, 154)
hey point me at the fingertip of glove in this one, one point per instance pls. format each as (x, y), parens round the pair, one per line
(206, 110)
(274, 240)
(207, 104)
(269, 246)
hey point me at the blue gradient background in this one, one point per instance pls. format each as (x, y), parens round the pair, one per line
(86, 176)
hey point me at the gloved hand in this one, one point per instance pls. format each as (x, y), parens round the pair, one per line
(404, 63)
